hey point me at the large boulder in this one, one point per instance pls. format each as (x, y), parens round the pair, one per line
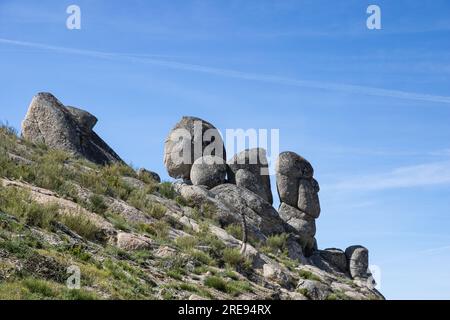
(299, 199)
(336, 258)
(358, 261)
(249, 169)
(49, 122)
(308, 199)
(190, 139)
(291, 164)
(290, 168)
(262, 219)
(209, 171)
(301, 224)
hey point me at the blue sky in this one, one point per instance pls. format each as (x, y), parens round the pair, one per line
(369, 108)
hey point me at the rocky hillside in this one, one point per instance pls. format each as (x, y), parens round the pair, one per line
(68, 201)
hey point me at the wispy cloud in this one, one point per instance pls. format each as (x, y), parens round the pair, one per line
(428, 174)
(347, 88)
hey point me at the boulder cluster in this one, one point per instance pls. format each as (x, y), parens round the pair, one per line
(239, 189)
(242, 184)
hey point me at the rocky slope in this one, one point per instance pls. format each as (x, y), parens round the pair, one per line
(68, 201)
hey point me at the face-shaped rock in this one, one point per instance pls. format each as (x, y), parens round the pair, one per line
(292, 165)
(308, 199)
(358, 261)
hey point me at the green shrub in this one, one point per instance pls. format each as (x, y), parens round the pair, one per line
(118, 221)
(161, 229)
(201, 257)
(175, 274)
(79, 294)
(235, 288)
(186, 242)
(305, 274)
(97, 204)
(216, 283)
(232, 257)
(39, 287)
(166, 190)
(139, 200)
(277, 243)
(18, 203)
(80, 225)
(235, 230)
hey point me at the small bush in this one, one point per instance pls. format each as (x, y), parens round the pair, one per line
(166, 190)
(118, 221)
(201, 257)
(18, 203)
(80, 225)
(232, 257)
(187, 242)
(161, 228)
(277, 243)
(97, 204)
(216, 283)
(305, 274)
(235, 288)
(235, 230)
(39, 287)
(175, 274)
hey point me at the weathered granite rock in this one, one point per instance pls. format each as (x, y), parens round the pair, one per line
(301, 222)
(275, 273)
(261, 217)
(131, 242)
(190, 139)
(358, 261)
(48, 121)
(249, 169)
(335, 257)
(298, 192)
(308, 200)
(287, 187)
(313, 289)
(209, 171)
(291, 164)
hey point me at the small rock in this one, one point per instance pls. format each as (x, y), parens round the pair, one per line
(336, 257)
(313, 289)
(131, 242)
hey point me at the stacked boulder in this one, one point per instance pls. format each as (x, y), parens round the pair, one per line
(67, 128)
(240, 187)
(194, 151)
(298, 192)
(249, 169)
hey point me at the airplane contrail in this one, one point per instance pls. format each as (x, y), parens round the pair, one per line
(348, 88)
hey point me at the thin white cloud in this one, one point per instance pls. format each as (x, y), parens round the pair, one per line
(428, 174)
(354, 89)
